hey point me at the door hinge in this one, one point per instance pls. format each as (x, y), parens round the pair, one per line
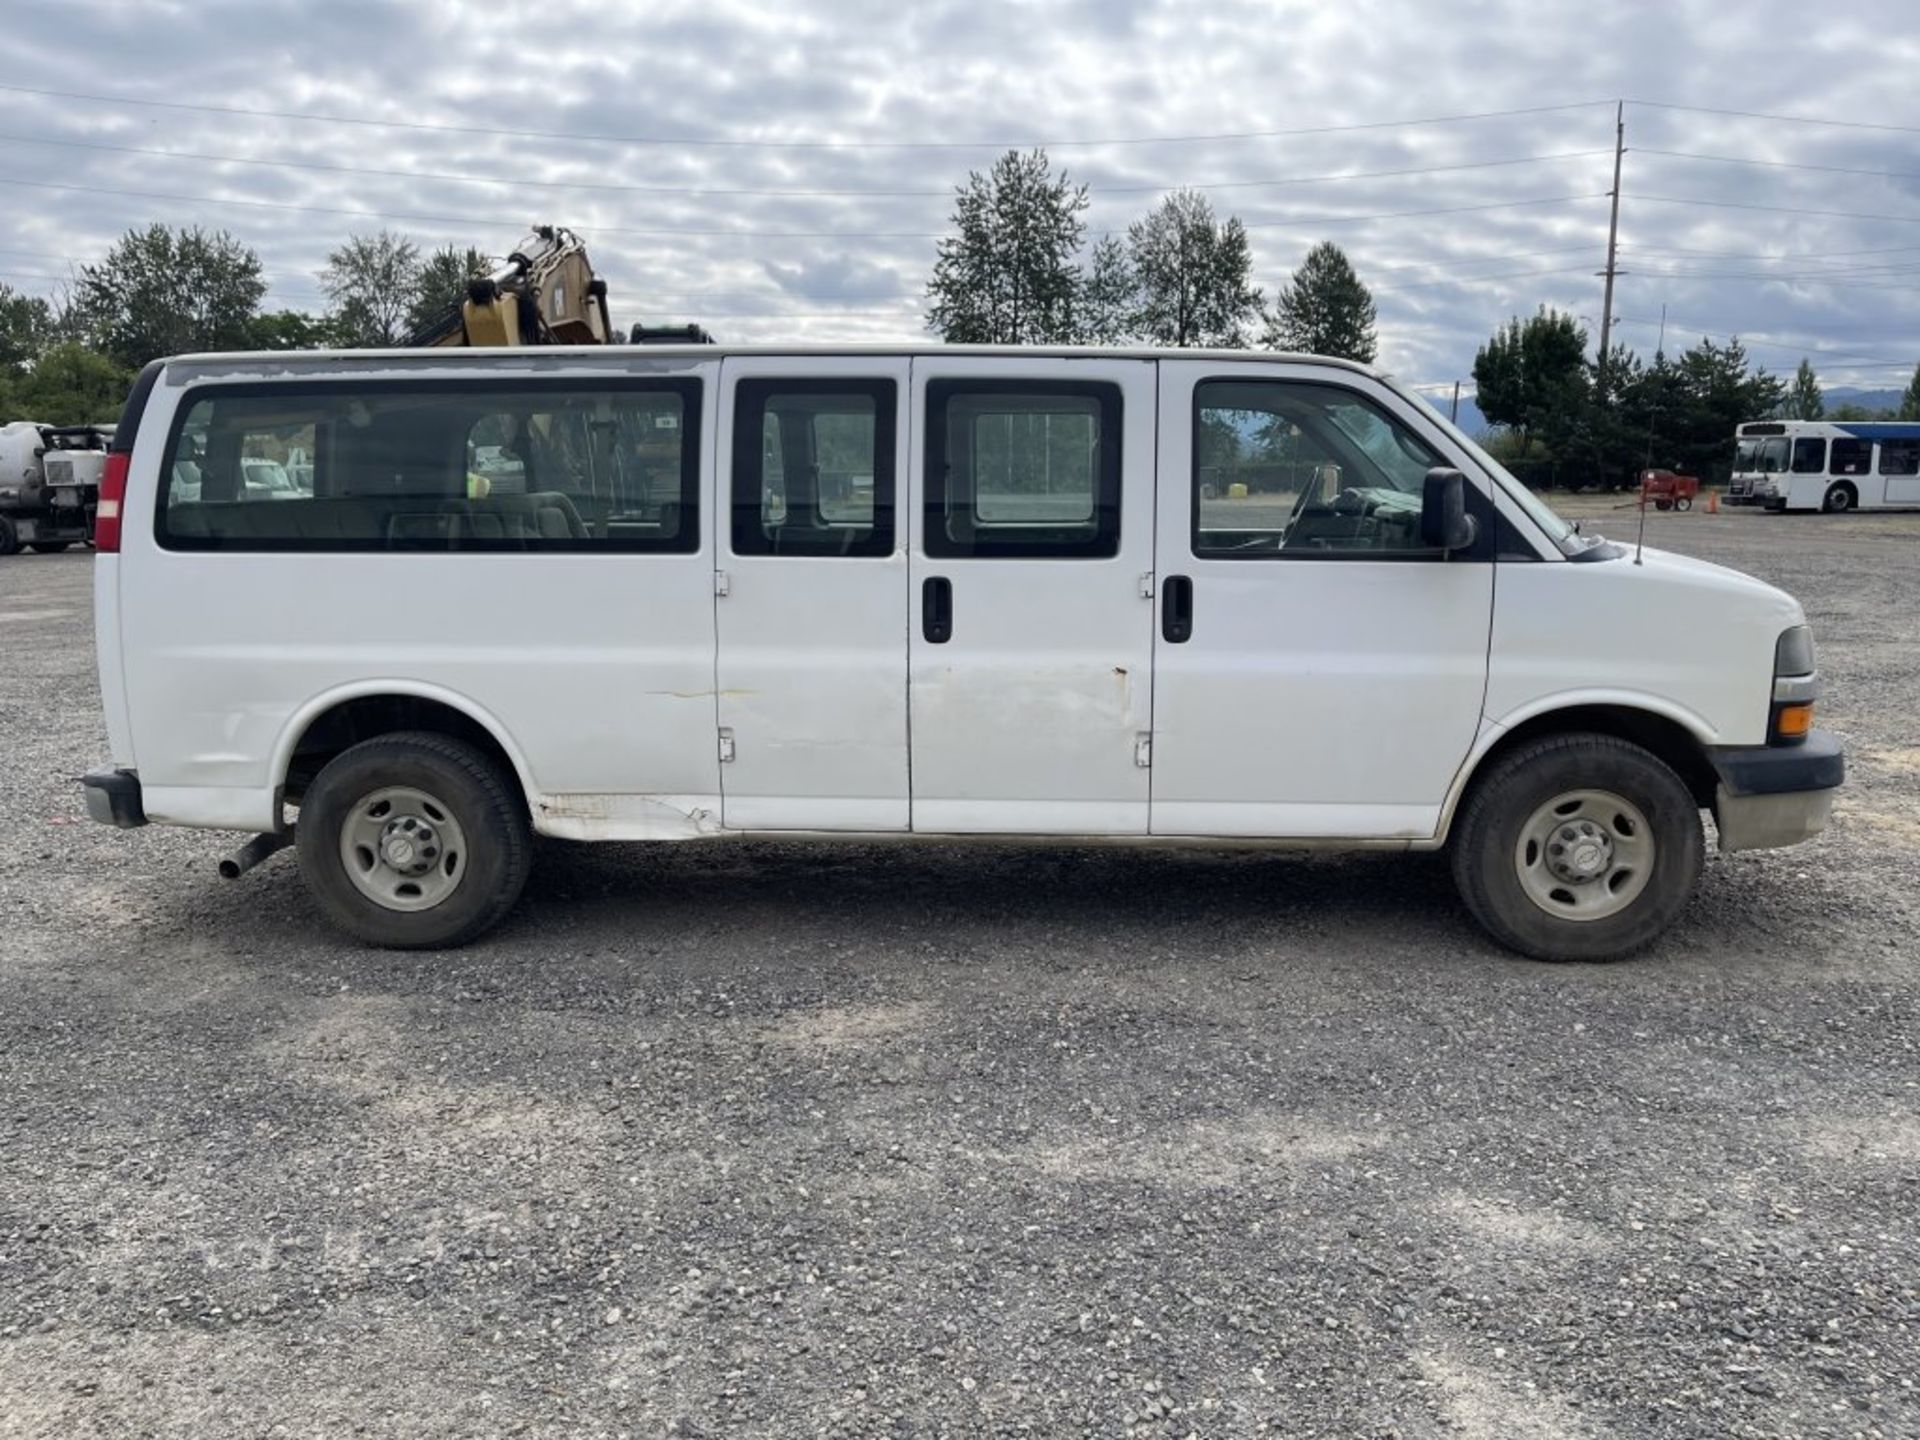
(1146, 586)
(726, 745)
(1143, 750)
(721, 584)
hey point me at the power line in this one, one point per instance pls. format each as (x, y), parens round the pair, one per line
(1770, 164)
(1784, 119)
(1478, 279)
(718, 234)
(1748, 255)
(1778, 209)
(523, 182)
(746, 144)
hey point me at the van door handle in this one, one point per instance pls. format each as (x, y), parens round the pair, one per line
(936, 609)
(1176, 609)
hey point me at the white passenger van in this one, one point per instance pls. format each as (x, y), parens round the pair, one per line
(683, 594)
(1831, 465)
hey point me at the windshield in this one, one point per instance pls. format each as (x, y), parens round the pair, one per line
(1542, 514)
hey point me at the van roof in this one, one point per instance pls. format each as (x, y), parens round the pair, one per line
(228, 361)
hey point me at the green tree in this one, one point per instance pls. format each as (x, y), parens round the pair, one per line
(1192, 274)
(1804, 399)
(169, 292)
(371, 283)
(1910, 401)
(440, 285)
(1106, 311)
(1324, 310)
(1532, 376)
(1006, 276)
(289, 330)
(26, 328)
(72, 385)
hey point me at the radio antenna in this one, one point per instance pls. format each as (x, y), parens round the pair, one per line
(1640, 541)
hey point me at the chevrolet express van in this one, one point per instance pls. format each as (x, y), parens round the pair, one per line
(1116, 596)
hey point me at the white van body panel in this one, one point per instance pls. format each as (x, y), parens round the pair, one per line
(605, 687)
(1031, 718)
(1680, 638)
(1342, 700)
(812, 678)
(1334, 698)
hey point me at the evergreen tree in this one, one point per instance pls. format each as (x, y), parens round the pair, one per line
(1804, 399)
(1324, 310)
(169, 292)
(1910, 401)
(1007, 275)
(1192, 274)
(1532, 377)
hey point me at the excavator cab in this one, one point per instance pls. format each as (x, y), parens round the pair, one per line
(545, 294)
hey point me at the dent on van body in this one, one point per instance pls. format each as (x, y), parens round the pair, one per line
(583, 816)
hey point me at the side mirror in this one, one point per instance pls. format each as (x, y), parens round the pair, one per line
(1444, 522)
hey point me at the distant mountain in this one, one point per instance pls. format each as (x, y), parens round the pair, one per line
(1867, 399)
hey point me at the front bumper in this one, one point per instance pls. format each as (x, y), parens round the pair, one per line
(113, 798)
(1775, 795)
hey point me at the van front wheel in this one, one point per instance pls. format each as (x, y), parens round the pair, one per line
(1578, 847)
(414, 841)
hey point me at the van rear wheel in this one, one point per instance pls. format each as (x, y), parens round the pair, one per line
(1578, 847)
(414, 841)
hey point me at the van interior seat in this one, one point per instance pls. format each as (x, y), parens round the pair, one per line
(407, 520)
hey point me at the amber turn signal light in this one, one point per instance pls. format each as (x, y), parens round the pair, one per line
(1793, 722)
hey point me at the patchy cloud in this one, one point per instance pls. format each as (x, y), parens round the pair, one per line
(748, 166)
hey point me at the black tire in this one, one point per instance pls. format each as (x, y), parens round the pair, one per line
(1840, 499)
(486, 804)
(1685, 502)
(9, 537)
(1488, 833)
(48, 547)
(1663, 504)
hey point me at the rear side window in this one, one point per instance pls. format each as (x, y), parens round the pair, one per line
(1851, 457)
(532, 466)
(1900, 457)
(1023, 468)
(813, 467)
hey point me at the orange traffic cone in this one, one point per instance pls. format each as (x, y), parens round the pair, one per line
(1713, 502)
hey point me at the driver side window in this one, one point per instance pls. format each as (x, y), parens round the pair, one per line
(1287, 469)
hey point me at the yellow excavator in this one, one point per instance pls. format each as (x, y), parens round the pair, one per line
(545, 294)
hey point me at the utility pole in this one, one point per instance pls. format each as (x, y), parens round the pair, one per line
(1613, 238)
(1453, 415)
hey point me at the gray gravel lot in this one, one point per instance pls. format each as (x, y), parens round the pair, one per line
(785, 1140)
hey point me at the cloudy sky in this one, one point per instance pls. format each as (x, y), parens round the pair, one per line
(781, 168)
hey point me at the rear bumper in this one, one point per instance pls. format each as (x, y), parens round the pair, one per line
(1775, 795)
(113, 798)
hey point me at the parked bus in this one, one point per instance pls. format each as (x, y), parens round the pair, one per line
(1124, 596)
(1831, 465)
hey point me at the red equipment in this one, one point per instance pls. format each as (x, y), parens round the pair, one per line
(1668, 490)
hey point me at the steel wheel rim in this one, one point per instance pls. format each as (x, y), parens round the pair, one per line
(402, 848)
(1585, 855)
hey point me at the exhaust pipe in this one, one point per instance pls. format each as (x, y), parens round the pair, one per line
(253, 852)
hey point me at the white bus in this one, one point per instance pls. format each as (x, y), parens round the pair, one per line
(1831, 465)
(899, 592)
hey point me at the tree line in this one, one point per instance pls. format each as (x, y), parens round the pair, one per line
(1012, 273)
(166, 291)
(1565, 420)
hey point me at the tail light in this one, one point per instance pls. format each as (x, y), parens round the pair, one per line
(113, 494)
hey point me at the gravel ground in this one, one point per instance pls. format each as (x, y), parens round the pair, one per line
(784, 1140)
